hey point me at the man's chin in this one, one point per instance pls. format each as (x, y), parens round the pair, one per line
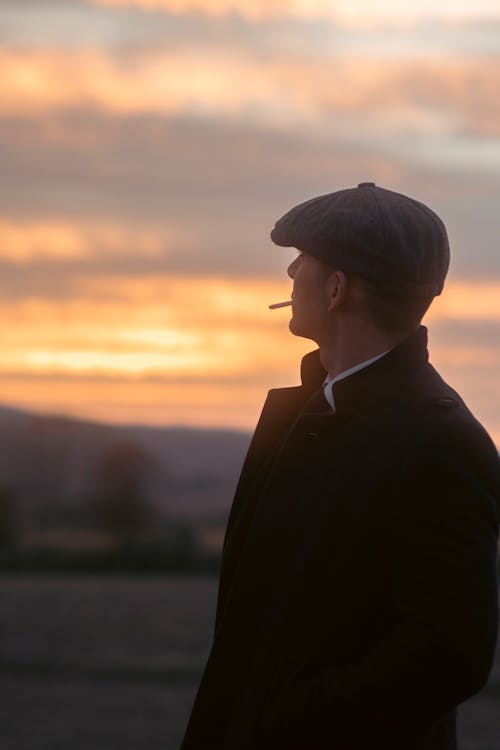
(299, 330)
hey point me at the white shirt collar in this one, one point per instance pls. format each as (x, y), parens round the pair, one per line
(329, 380)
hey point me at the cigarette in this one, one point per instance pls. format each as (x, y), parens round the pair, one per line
(280, 304)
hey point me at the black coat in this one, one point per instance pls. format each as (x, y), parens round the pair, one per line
(358, 594)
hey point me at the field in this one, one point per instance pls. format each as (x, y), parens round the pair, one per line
(113, 664)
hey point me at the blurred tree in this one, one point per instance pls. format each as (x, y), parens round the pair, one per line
(121, 503)
(182, 543)
(8, 520)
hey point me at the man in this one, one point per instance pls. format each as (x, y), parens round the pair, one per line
(357, 600)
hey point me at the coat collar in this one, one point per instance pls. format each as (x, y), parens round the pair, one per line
(378, 381)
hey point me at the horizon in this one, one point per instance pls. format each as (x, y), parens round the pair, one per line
(64, 416)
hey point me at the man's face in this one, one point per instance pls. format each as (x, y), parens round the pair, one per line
(309, 296)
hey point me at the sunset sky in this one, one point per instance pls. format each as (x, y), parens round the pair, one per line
(147, 148)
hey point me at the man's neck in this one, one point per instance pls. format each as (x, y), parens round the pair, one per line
(347, 351)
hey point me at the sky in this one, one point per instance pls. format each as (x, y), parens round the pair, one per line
(147, 148)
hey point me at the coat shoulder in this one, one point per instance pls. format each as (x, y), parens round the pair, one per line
(438, 413)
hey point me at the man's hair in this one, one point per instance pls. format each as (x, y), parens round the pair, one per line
(390, 312)
(395, 313)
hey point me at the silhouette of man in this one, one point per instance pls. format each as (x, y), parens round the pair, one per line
(357, 600)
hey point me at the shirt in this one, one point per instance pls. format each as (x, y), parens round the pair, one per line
(329, 380)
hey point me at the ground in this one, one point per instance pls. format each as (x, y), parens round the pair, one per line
(114, 663)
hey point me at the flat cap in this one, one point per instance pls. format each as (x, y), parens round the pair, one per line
(395, 242)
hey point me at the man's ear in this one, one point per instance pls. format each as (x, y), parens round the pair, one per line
(336, 289)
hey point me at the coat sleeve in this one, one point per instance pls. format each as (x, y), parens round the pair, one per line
(440, 536)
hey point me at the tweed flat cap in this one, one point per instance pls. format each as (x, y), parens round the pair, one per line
(393, 241)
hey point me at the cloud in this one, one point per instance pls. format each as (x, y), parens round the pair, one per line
(431, 96)
(168, 326)
(149, 195)
(347, 12)
(56, 240)
(164, 327)
(469, 302)
(256, 10)
(205, 350)
(212, 190)
(132, 28)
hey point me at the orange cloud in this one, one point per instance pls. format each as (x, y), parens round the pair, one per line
(468, 300)
(154, 82)
(130, 401)
(199, 351)
(146, 326)
(23, 242)
(185, 327)
(256, 10)
(358, 13)
(411, 95)
(158, 351)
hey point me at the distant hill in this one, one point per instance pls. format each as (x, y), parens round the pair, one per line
(51, 461)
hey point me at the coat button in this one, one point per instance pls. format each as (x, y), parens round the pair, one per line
(444, 402)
